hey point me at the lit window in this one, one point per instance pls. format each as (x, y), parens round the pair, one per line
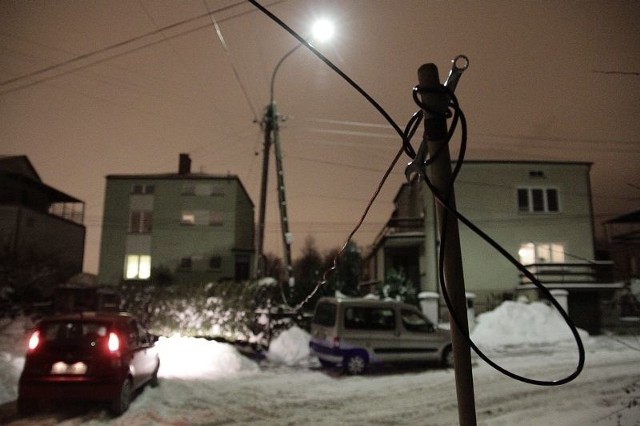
(188, 218)
(538, 200)
(531, 253)
(140, 222)
(137, 267)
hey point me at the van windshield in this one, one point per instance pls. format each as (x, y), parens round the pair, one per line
(325, 314)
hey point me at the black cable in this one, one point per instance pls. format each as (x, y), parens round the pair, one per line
(406, 135)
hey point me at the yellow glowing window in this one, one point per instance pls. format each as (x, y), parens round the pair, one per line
(137, 267)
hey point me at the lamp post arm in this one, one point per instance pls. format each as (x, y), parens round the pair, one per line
(275, 71)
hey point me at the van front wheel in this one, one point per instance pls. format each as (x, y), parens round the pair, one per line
(355, 363)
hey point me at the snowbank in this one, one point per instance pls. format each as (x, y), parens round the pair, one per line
(291, 347)
(521, 324)
(13, 346)
(194, 358)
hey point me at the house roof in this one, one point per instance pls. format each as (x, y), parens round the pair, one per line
(18, 164)
(181, 176)
(174, 176)
(54, 195)
(633, 217)
(19, 169)
(537, 162)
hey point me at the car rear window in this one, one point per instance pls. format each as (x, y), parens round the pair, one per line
(325, 314)
(60, 331)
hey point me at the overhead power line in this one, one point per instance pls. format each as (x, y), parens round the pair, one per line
(228, 55)
(93, 54)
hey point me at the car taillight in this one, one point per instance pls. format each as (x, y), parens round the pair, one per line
(114, 342)
(336, 342)
(34, 340)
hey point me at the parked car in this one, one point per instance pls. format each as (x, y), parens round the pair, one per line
(87, 356)
(356, 332)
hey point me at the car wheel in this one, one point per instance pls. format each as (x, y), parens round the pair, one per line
(356, 363)
(120, 404)
(447, 357)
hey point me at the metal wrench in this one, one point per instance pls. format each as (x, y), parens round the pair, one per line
(458, 65)
(416, 166)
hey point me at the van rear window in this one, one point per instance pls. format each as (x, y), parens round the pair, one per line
(366, 318)
(325, 314)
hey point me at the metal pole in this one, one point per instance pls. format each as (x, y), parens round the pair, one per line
(436, 102)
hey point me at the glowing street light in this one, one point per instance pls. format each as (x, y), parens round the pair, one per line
(322, 30)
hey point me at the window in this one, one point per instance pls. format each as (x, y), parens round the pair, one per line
(215, 262)
(140, 222)
(369, 318)
(216, 218)
(186, 263)
(142, 188)
(412, 321)
(188, 189)
(325, 314)
(188, 218)
(538, 200)
(217, 191)
(137, 267)
(531, 253)
(202, 218)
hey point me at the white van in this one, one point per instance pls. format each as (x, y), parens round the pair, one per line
(356, 332)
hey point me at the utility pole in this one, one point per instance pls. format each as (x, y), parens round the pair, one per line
(267, 123)
(435, 103)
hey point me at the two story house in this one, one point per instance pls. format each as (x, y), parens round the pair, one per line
(196, 227)
(540, 212)
(41, 227)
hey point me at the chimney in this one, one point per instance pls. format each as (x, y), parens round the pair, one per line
(184, 167)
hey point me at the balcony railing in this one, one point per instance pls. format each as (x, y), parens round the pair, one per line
(73, 212)
(396, 225)
(569, 273)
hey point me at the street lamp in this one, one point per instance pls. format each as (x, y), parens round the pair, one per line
(321, 31)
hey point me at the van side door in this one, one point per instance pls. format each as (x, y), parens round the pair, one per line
(418, 337)
(372, 328)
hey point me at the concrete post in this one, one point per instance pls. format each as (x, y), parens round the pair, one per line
(562, 297)
(429, 306)
(471, 310)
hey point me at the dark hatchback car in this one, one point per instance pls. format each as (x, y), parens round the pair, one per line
(102, 357)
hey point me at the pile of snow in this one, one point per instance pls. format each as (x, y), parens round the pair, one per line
(291, 347)
(521, 324)
(194, 358)
(13, 346)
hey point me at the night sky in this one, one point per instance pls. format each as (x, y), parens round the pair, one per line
(91, 88)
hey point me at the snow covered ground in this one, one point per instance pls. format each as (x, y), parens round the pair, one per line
(206, 382)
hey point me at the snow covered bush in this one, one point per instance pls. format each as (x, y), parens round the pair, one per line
(225, 310)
